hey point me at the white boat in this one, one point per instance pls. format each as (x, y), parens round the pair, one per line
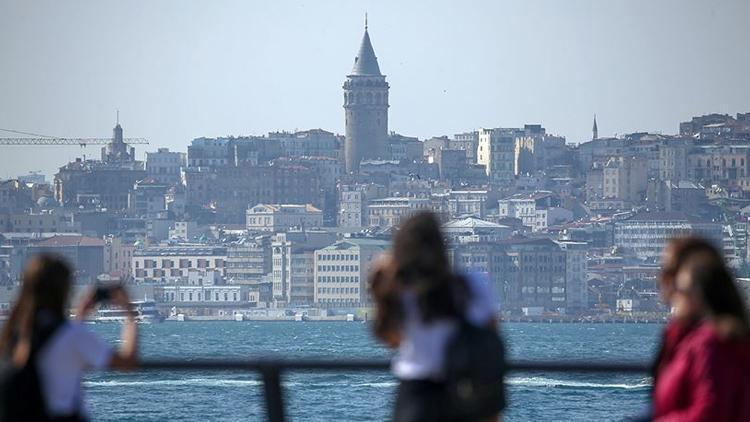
(145, 312)
(239, 317)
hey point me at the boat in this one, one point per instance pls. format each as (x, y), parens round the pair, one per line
(145, 312)
(239, 317)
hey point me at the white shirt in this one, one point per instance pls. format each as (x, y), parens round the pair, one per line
(420, 352)
(72, 349)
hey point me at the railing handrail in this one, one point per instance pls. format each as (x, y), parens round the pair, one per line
(262, 364)
(271, 369)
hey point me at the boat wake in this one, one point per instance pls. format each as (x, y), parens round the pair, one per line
(223, 382)
(556, 383)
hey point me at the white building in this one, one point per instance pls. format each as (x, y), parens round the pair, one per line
(353, 201)
(471, 229)
(646, 234)
(280, 217)
(205, 295)
(292, 265)
(186, 231)
(538, 210)
(341, 271)
(467, 202)
(171, 264)
(164, 165)
(388, 212)
(496, 152)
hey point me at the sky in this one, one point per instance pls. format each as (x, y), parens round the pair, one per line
(181, 69)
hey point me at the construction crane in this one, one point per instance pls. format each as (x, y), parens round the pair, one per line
(44, 140)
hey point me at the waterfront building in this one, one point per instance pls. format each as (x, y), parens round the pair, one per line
(249, 260)
(365, 109)
(292, 265)
(118, 256)
(164, 166)
(280, 217)
(576, 289)
(85, 254)
(341, 272)
(170, 264)
(538, 274)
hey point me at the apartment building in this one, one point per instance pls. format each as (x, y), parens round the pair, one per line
(341, 271)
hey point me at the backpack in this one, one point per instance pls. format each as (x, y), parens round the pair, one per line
(474, 371)
(21, 396)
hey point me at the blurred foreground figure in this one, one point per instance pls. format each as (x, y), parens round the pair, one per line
(702, 372)
(45, 354)
(450, 359)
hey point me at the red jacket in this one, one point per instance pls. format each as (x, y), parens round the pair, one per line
(702, 377)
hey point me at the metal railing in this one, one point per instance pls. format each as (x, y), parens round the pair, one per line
(271, 371)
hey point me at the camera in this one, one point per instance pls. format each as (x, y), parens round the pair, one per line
(103, 293)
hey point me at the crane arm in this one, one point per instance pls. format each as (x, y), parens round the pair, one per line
(68, 141)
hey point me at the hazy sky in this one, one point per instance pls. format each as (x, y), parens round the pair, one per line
(183, 69)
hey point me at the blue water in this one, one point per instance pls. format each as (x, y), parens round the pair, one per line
(205, 396)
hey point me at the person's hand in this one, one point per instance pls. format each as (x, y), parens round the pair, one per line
(119, 297)
(87, 304)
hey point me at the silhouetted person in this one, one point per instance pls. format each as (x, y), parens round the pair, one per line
(422, 308)
(702, 372)
(46, 354)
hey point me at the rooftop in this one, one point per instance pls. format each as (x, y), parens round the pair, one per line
(69, 240)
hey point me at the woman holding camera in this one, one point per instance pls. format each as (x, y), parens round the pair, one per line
(38, 336)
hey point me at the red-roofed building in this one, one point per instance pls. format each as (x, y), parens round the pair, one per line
(85, 254)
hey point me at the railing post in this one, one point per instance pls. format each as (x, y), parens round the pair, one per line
(273, 394)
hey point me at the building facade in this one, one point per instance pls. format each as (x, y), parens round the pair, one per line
(341, 272)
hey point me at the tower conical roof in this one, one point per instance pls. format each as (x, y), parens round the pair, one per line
(366, 63)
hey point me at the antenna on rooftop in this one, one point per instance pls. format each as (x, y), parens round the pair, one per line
(118, 116)
(365, 21)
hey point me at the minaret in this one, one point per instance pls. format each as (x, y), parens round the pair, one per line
(595, 130)
(365, 108)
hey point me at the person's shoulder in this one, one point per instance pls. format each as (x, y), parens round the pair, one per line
(77, 329)
(703, 338)
(476, 280)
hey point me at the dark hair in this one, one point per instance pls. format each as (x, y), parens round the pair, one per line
(419, 264)
(45, 286)
(715, 284)
(680, 248)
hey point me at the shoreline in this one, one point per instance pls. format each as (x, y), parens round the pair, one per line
(342, 318)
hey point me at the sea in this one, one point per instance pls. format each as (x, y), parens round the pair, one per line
(365, 396)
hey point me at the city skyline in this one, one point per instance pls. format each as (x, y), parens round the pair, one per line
(558, 76)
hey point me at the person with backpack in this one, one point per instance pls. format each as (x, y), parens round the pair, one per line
(45, 354)
(449, 356)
